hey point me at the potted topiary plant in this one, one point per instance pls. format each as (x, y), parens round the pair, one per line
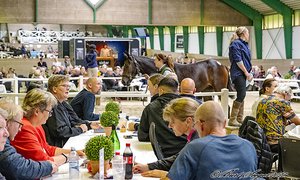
(113, 106)
(107, 120)
(92, 148)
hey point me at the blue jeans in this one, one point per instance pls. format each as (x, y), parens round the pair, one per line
(240, 86)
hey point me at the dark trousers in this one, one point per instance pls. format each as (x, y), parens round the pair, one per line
(240, 86)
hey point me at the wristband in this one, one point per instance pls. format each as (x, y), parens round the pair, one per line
(65, 157)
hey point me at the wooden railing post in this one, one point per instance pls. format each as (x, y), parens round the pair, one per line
(224, 101)
(80, 84)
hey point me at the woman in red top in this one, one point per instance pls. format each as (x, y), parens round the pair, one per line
(31, 140)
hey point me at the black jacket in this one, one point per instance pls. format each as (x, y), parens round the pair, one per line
(251, 131)
(63, 124)
(169, 143)
(166, 163)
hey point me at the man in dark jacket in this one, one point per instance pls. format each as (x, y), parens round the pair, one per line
(169, 143)
(84, 102)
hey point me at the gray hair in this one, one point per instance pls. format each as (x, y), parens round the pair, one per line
(3, 113)
(283, 89)
(37, 98)
(13, 110)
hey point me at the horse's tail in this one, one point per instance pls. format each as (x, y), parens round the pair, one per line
(229, 83)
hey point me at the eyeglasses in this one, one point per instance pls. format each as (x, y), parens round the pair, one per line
(65, 85)
(50, 112)
(20, 124)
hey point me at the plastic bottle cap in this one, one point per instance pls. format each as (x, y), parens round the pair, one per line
(127, 144)
(117, 153)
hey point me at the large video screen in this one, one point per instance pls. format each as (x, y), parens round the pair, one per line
(115, 49)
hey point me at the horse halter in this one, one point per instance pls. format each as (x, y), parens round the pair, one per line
(137, 68)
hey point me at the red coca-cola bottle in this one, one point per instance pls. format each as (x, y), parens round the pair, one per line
(128, 160)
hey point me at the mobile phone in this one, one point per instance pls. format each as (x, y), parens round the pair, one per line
(127, 136)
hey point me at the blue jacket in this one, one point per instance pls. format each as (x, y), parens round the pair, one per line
(90, 60)
(84, 104)
(14, 166)
(239, 51)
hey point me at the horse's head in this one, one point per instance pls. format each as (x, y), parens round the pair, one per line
(129, 70)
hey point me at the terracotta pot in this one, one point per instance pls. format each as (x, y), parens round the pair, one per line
(94, 166)
(107, 130)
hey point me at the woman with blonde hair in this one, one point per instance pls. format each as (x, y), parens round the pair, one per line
(179, 114)
(240, 59)
(31, 140)
(10, 159)
(164, 64)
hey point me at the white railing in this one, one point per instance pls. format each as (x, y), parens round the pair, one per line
(46, 37)
(224, 94)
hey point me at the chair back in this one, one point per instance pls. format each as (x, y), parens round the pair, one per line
(290, 156)
(251, 131)
(154, 143)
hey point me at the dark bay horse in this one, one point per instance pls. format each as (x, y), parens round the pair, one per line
(209, 75)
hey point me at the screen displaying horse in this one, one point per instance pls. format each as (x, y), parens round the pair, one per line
(208, 74)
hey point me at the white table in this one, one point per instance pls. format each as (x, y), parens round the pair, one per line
(142, 151)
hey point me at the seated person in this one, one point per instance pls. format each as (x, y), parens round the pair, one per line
(274, 113)
(110, 84)
(266, 90)
(170, 143)
(12, 164)
(215, 153)
(31, 140)
(84, 102)
(152, 81)
(187, 89)
(180, 115)
(64, 123)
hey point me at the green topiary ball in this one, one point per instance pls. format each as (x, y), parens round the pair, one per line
(113, 106)
(93, 146)
(109, 118)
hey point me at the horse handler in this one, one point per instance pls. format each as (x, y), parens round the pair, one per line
(240, 59)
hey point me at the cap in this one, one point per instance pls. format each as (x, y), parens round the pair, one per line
(127, 144)
(92, 46)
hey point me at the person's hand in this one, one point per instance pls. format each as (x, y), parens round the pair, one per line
(83, 127)
(80, 153)
(249, 76)
(54, 166)
(155, 173)
(140, 168)
(131, 126)
(95, 125)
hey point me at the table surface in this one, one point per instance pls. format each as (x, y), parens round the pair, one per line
(142, 152)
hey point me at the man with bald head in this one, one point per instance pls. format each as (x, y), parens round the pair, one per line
(187, 89)
(84, 102)
(215, 155)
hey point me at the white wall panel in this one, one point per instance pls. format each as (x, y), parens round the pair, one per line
(193, 43)
(167, 43)
(156, 42)
(226, 42)
(210, 44)
(296, 44)
(273, 44)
